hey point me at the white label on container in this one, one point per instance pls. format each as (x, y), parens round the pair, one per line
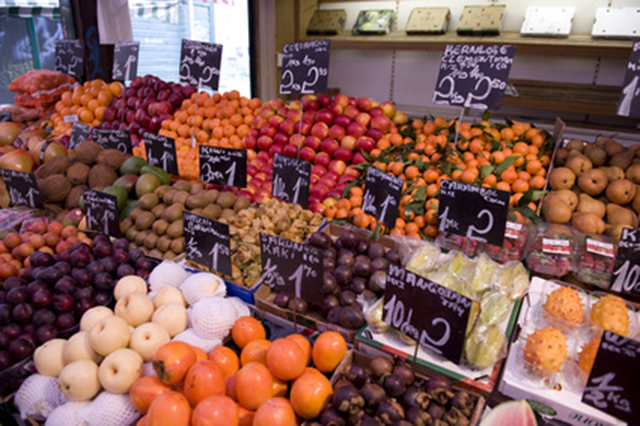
(512, 230)
(70, 118)
(553, 246)
(601, 248)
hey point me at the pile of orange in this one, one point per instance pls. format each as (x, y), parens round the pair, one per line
(87, 101)
(269, 384)
(222, 119)
(513, 157)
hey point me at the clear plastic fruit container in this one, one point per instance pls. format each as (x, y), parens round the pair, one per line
(518, 231)
(606, 320)
(532, 373)
(449, 241)
(555, 307)
(594, 259)
(585, 345)
(551, 250)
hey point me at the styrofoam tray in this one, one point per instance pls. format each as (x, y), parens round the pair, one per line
(548, 21)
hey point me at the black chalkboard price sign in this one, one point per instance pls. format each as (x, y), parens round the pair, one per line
(626, 269)
(23, 189)
(102, 212)
(473, 211)
(113, 139)
(613, 385)
(69, 57)
(473, 76)
(224, 166)
(382, 194)
(291, 179)
(125, 60)
(292, 268)
(161, 152)
(629, 104)
(200, 64)
(305, 67)
(79, 134)
(207, 242)
(433, 315)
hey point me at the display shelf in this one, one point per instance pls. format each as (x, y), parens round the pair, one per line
(574, 45)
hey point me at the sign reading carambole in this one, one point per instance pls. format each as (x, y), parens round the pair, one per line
(626, 269)
(473, 76)
(291, 180)
(22, 188)
(125, 60)
(224, 166)
(382, 194)
(113, 139)
(433, 315)
(207, 242)
(161, 152)
(305, 67)
(629, 103)
(200, 64)
(102, 212)
(70, 57)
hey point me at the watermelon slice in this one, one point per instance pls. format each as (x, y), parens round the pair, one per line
(512, 413)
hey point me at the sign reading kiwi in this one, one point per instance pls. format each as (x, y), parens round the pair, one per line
(433, 315)
(113, 139)
(200, 64)
(382, 196)
(629, 103)
(224, 166)
(69, 57)
(23, 189)
(305, 67)
(291, 180)
(473, 76)
(292, 268)
(207, 242)
(613, 385)
(79, 134)
(626, 269)
(102, 212)
(125, 60)
(472, 211)
(161, 152)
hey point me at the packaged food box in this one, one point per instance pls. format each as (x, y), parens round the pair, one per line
(481, 20)
(428, 20)
(374, 22)
(327, 22)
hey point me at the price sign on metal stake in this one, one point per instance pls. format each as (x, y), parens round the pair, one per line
(113, 139)
(200, 64)
(207, 242)
(224, 166)
(161, 152)
(382, 194)
(79, 134)
(125, 60)
(305, 67)
(102, 212)
(23, 189)
(291, 179)
(626, 269)
(69, 57)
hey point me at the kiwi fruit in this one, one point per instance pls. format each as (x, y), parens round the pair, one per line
(212, 195)
(161, 190)
(177, 245)
(226, 200)
(155, 253)
(131, 234)
(196, 202)
(197, 211)
(169, 255)
(180, 197)
(182, 185)
(148, 201)
(140, 237)
(160, 226)
(164, 243)
(125, 225)
(145, 220)
(196, 188)
(212, 211)
(157, 210)
(241, 203)
(168, 196)
(176, 229)
(172, 213)
(227, 214)
(135, 213)
(150, 241)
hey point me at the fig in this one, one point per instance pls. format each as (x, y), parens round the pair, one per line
(380, 366)
(343, 275)
(358, 285)
(351, 317)
(333, 316)
(405, 373)
(329, 303)
(328, 264)
(320, 239)
(373, 394)
(435, 410)
(394, 385)
(415, 397)
(347, 298)
(376, 250)
(362, 267)
(358, 374)
(329, 283)
(346, 259)
(347, 399)
(348, 239)
(393, 257)
(362, 247)
(330, 253)
(298, 306)
(282, 300)
(417, 417)
(377, 281)
(380, 264)
(330, 416)
(390, 411)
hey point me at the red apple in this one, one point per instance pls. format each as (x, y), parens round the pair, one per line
(363, 104)
(324, 100)
(400, 118)
(352, 171)
(259, 162)
(255, 133)
(344, 154)
(245, 193)
(319, 190)
(381, 122)
(268, 130)
(290, 150)
(352, 101)
(258, 122)
(264, 156)
(264, 143)
(358, 158)
(255, 183)
(322, 158)
(365, 143)
(275, 121)
(310, 105)
(362, 118)
(286, 126)
(348, 142)
(281, 138)
(293, 115)
(341, 99)
(335, 109)
(374, 134)
(318, 170)
(320, 130)
(296, 139)
(325, 116)
(328, 181)
(305, 125)
(337, 132)
(354, 129)
(277, 103)
(275, 149)
(317, 208)
(312, 142)
(346, 178)
(329, 145)
(351, 111)
(263, 176)
(251, 170)
(267, 112)
(295, 104)
(389, 109)
(338, 167)
(314, 179)
(282, 111)
(376, 110)
(342, 120)
(307, 154)
(309, 116)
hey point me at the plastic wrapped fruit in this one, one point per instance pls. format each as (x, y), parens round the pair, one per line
(484, 346)
(587, 355)
(552, 250)
(611, 313)
(594, 260)
(494, 306)
(565, 304)
(546, 349)
(516, 235)
(512, 279)
(450, 241)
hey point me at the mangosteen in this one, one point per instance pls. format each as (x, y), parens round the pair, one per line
(299, 306)
(390, 411)
(418, 417)
(355, 419)
(370, 421)
(375, 251)
(415, 397)
(282, 300)
(351, 317)
(380, 366)
(440, 389)
(435, 410)
(358, 374)
(347, 399)
(405, 372)
(464, 402)
(394, 385)
(330, 416)
(373, 394)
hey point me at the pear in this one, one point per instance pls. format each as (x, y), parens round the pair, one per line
(621, 191)
(593, 182)
(635, 204)
(561, 157)
(617, 215)
(588, 147)
(568, 197)
(586, 204)
(613, 147)
(633, 173)
(622, 159)
(613, 173)
(579, 164)
(587, 223)
(573, 153)
(576, 144)
(597, 155)
(561, 178)
(556, 211)
(615, 231)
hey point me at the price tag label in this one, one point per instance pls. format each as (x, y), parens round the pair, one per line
(224, 166)
(79, 134)
(22, 188)
(200, 64)
(291, 179)
(292, 268)
(629, 103)
(382, 194)
(70, 119)
(69, 57)
(626, 269)
(305, 67)
(102, 212)
(113, 139)
(613, 385)
(125, 60)
(473, 76)
(427, 312)
(473, 211)
(207, 242)
(161, 152)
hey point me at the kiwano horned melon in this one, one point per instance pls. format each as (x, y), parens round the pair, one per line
(611, 313)
(546, 348)
(565, 304)
(587, 355)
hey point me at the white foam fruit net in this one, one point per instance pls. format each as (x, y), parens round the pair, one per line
(110, 409)
(38, 396)
(69, 414)
(201, 285)
(191, 337)
(148, 370)
(167, 273)
(213, 317)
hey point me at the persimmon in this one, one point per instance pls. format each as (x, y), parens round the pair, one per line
(310, 394)
(172, 361)
(203, 379)
(217, 410)
(245, 416)
(328, 350)
(303, 343)
(231, 387)
(254, 385)
(201, 355)
(275, 412)
(255, 351)
(169, 409)
(279, 387)
(145, 390)
(226, 359)
(247, 329)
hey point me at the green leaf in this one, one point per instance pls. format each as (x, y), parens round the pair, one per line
(367, 156)
(486, 170)
(362, 166)
(495, 145)
(408, 132)
(421, 193)
(508, 121)
(505, 164)
(341, 221)
(486, 115)
(527, 212)
(416, 207)
(375, 234)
